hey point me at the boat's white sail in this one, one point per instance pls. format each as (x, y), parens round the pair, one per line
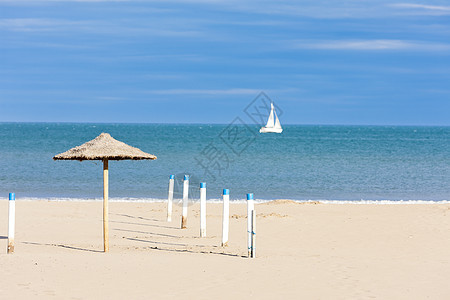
(273, 123)
(270, 121)
(277, 122)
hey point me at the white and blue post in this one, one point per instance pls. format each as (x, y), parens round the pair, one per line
(202, 209)
(251, 223)
(11, 222)
(185, 201)
(225, 217)
(170, 198)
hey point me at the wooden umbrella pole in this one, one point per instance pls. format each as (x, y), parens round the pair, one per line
(105, 206)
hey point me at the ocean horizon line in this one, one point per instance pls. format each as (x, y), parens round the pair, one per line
(223, 124)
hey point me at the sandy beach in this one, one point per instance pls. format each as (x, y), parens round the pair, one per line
(307, 251)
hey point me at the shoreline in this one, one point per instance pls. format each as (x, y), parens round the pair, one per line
(235, 201)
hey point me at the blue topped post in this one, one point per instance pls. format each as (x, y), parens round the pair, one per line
(202, 209)
(251, 218)
(185, 201)
(225, 217)
(11, 222)
(170, 198)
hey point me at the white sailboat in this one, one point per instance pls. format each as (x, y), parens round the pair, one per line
(273, 124)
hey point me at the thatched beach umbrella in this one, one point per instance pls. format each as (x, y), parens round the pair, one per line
(104, 148)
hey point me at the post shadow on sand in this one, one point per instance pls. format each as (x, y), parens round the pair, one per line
(183, 250)
(149, 233)
(63, 246)
(140, 218)
(163, 245)
(140, 224)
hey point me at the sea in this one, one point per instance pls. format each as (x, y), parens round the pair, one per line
(337, 164)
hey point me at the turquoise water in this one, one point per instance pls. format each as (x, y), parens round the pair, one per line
(302, 163)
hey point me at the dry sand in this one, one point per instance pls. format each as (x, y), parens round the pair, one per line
(304, 251)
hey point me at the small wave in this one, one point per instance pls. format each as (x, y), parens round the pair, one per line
(216, 200)
(381, 202)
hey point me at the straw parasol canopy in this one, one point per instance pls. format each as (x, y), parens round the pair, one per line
(104, 147)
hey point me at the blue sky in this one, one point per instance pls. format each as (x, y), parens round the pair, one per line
(322, 62)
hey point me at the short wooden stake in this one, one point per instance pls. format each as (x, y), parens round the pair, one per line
(185, 201)
(11, 222)
(202, 209)
(225, 217)
(170, 198)
(250, 235)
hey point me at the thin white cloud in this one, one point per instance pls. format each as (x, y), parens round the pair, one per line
(422, 9)
(322, 9)
(96, 26)
(166, 57)
(44, 1)
(422, 6)
(36, 24)
(438, 91)
(110, 99)
(218, 92)
(371, 45)
(205, 92)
